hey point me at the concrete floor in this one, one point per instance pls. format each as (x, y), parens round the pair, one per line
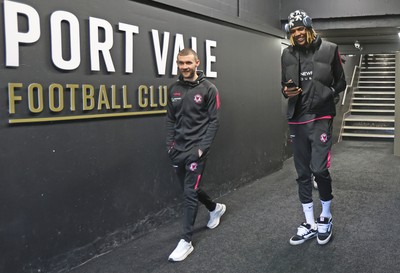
(253, 236)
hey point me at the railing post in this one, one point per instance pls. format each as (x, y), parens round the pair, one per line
(397, 107)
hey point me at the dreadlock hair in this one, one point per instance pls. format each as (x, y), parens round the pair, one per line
(310, 36)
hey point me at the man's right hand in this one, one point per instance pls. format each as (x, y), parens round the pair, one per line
(292, 91)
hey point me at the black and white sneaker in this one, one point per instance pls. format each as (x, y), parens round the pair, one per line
(324, 225)
(304, 233)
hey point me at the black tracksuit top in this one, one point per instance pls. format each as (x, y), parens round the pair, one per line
(192, 114)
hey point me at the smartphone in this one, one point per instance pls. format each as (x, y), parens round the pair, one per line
(290, 84)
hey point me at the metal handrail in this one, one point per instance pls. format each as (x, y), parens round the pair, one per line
(352, 80)
(344, 99)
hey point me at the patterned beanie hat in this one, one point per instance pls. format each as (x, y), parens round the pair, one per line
(298, 18)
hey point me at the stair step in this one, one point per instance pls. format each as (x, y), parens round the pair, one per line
(372, 104)
(377, 72)
(376, 77)
(373, 93)
(370, 118)
(372, 72)
(375, 87)
(371, 111)
(367, 135)
(367, 128)
(390, 65)
(379, 62)
(377, 82)
(378, 98)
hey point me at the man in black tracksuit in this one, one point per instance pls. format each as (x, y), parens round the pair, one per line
(312, 76)
(192, 123)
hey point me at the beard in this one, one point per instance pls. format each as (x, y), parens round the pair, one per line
(188, 74)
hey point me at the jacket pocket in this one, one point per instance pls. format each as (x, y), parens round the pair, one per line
(322, 96)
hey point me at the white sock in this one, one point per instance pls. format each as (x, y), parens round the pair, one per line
(308, 210)
(326, 209)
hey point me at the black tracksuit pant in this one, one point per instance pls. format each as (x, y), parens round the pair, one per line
(312, 144)
(189, 169)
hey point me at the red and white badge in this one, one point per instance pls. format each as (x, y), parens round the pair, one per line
(193, 166)
(198, 98)
(323, 138)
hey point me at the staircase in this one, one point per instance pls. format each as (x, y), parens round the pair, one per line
(371, 114)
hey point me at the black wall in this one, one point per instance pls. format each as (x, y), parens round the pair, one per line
(71, 190)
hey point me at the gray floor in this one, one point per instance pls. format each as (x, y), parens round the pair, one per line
(254, 233)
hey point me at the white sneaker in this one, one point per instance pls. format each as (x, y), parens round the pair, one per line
(182, 250)
(215, 215)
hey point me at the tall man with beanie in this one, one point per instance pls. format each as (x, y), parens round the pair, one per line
(192, 123)
(312, 75)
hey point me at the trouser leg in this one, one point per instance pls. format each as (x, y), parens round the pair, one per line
(321, 155)
(302, 157)
(189, 168)
(206, 200)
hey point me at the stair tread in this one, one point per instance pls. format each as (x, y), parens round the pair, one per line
(375, 87)
(376, 72)
(376, 77)
(369, 135)
(372, 104)
(370, 118)
(374, 93)
(367, 127)
(376, 82)
(377, 98)
(373, 110)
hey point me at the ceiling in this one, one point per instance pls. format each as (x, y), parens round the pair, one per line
(374, 33)
(366, 36)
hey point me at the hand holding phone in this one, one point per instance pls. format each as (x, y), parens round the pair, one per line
(290, 84)
(291, 89)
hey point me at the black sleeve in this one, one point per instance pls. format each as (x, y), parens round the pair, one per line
(213, 106)
(170, 123)
(339, 84)
(283, 79)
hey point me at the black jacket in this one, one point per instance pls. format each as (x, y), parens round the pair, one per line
(192, 114)
(328, 76)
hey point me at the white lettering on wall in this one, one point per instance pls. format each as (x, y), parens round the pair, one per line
(97, 47)
(210, 59)
(12, 36)
(129, 30)
(22, 26)
(179, 45)
(56, 20)
(193, 42)
(161, 57)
